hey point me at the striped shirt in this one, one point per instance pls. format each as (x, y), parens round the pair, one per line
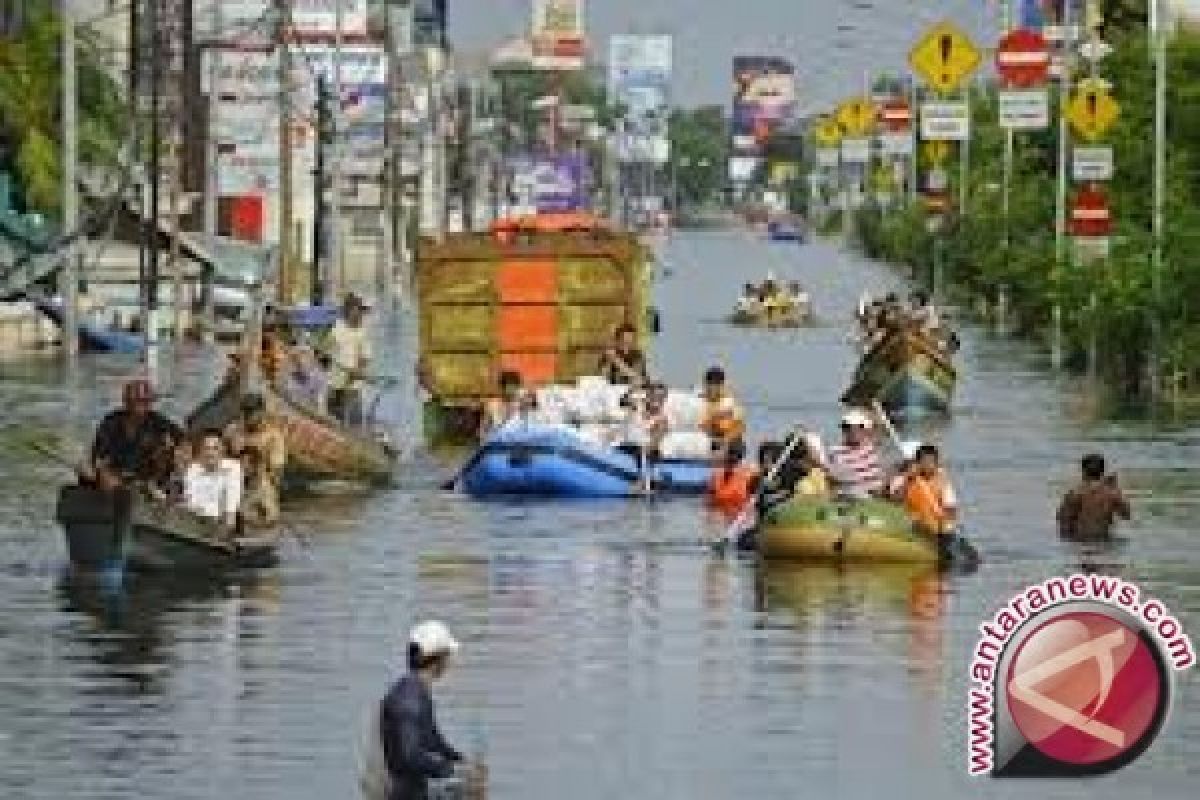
(857, 471)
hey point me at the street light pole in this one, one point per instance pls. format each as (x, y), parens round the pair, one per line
(1060, 209)
(1159, 33)
(69, 276)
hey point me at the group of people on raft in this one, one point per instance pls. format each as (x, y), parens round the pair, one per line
(230, 476)
(771, 299)
(880, 318)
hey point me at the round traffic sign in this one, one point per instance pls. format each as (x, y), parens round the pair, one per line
(1023, 58)
(1090, 215)
(896, 115)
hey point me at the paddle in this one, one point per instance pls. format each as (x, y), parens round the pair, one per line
(735, 527)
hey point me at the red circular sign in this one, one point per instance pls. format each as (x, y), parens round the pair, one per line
(1084, 689)
(896, 116)
(1023, 58)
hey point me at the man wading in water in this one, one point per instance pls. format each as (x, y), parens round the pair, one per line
(1087, 512)
(414, 751)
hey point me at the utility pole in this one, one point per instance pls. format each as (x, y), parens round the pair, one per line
(320, 208)
(1060, 208)
(335, 275)
(153, 22)
(211, 185)
(284, 288)
(68, 277)
(175, 109)
(1159, 32)
(1009, 148)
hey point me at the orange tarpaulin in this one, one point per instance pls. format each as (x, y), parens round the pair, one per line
(532, 281)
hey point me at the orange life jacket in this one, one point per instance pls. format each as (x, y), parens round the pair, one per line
(722, 419)
(730, 489)
(923, 501)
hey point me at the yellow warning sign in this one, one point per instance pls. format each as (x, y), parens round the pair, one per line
(827, 132)
(935, 153)
(857, 116)
(1092, 111)
(944, 57)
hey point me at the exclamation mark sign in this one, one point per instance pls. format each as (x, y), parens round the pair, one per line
(947, 43)
(1091, 105)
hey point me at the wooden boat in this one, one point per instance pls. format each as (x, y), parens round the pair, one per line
(320, 448)
(817, 529)
(906, 373)
(132, 530)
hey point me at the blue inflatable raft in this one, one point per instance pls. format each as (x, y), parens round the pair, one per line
(554, 461)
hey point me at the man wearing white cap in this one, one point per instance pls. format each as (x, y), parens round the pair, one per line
(413, 748)
(854, 465)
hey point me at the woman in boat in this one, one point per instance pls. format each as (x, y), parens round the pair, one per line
(733, 482)
(624, 364)
(212, 484)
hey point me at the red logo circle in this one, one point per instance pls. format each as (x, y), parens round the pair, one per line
(1085, 688)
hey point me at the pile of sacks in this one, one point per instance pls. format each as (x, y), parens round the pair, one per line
(593, 408)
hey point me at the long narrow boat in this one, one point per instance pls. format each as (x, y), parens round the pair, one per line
(132, 530)
(906, 373)
(815, 529)
(792, 317)
(319, 447)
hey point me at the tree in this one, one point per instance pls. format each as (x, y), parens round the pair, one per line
(30, 91)
(699, 152)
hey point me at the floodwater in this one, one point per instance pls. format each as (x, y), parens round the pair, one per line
(605, 653)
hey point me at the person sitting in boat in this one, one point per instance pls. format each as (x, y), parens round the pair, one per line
(257, 437)
(260, 493)
(1088, 511)
(750, 303)
(304, 380)
(348, 347)
(796, 296)
(505, 406)
(212, 485)
(854, 466)
(930, 499)
(624, 364)
(723, 419)
(135, 444)
(922, 312)
(898, 476)
(733, 482)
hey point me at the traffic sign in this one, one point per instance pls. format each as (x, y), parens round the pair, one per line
(827, 157)
(935, 152)
(896, 115)
(1023, 58)
(1095, 50)
(1092, 164)
(856, 116)
(856, 150)
(949, 122)
(895, 143)
(1092, 110)
(828, 133)
(1025, 109)
(944, 57)
(1090, 215)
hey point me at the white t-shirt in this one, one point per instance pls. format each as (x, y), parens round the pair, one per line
(350, 349)
(213, 494)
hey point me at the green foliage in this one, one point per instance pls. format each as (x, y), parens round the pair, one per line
(1111, 301)
(700, 152)
(30, 91)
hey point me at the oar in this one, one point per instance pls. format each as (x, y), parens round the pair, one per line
(739, 521)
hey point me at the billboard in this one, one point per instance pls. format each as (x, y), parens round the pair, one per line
(558, 34)
(552, 183)
(764, 97)
(639, 79)
(245, 125)
(252, 22)
(364, 72)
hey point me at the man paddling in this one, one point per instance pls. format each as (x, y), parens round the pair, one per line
(133, 443)
(930, 499)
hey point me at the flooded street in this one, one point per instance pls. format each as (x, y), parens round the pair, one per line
(606, 654)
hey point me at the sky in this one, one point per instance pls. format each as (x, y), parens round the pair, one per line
(830, 64)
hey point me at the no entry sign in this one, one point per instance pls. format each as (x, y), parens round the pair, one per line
(896, 115)
(1023, 58)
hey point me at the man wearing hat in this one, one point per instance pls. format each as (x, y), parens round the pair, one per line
(413, 748)
(133, 443)
(855, 465)
(349, 351)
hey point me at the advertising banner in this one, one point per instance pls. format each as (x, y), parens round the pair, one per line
(764, 97)
(253, 22)
(639, 80)
(364, 102)
(558, 34)
(245, 123)
(551, 183)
